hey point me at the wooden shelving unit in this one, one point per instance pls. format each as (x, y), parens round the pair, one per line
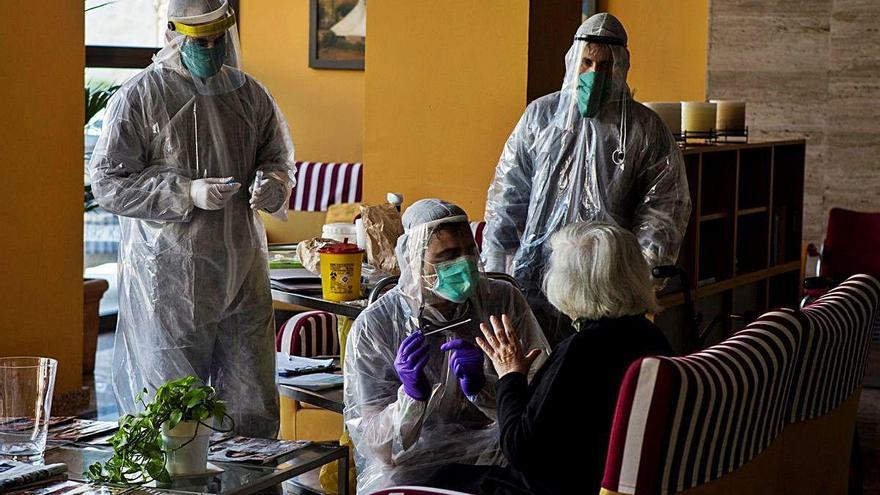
(743, 244)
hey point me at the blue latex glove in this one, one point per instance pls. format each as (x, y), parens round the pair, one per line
(412, 355)
(466, 361)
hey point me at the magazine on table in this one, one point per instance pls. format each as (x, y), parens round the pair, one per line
(19, 475)
(253, 450)
(74, 488)
(81, 429)
(24, 424)
(145, 490)
(221, 436)
(102, 439)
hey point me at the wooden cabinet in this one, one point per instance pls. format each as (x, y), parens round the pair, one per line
(742, 248)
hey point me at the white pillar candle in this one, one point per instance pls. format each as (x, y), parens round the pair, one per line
(731, 115)
(697, 116)
(669, 112)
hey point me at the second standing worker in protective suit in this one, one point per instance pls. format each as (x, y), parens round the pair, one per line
(586, 152)
(416, 400)
(179, 141)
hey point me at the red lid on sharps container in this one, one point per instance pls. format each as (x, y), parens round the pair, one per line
(341, 248)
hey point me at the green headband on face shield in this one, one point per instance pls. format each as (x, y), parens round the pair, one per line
(593, 91)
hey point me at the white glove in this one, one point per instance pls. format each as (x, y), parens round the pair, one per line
(266, 194)
(213, 193)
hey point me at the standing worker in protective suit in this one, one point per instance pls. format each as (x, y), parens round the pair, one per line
(179, 141)
(416, 400)
(586, 152)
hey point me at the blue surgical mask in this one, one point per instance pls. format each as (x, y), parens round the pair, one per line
(593, 90)
(202, 61)
(456, 279)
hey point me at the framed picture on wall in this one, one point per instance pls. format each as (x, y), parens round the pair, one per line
(337, 34)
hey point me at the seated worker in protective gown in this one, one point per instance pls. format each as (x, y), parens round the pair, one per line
(417, 398)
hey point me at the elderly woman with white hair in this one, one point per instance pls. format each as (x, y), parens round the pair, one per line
(554, 431)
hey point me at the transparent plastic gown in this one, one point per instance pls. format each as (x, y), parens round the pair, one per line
(193, 284)
(557, 168)
(397, 439)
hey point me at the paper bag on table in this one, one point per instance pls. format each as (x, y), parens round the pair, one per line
(308, 253)
(383, 226)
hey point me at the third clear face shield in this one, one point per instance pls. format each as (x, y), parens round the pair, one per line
(608, 85)
(202, 39)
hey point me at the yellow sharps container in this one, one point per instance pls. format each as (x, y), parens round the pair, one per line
(341, 271)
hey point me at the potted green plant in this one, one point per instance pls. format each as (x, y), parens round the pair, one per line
(169, 437)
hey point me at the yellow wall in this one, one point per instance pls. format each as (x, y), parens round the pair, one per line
(41, 79)
(668, 42)
(446, 84)
(324, 108)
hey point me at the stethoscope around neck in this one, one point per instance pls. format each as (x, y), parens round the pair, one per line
(618, 156)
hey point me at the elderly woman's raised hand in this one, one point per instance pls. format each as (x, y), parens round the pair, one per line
(502, 346)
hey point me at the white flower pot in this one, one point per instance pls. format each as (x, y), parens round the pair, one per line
(182, 457)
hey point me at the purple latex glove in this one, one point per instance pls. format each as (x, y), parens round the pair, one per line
(466, 361)
(412, 355)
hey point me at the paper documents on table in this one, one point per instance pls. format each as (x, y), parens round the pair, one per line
(314, 382)
(298, 365)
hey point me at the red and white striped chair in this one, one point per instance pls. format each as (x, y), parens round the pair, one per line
(321, 184)
(770, 410)
(309, 334)
(683, 423)
(818, 439)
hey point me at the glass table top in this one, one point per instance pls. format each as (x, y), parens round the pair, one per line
(227, 478)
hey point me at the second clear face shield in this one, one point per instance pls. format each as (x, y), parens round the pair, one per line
(595, 75)
(208, 49)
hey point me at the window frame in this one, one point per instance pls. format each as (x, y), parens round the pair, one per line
(133, 57)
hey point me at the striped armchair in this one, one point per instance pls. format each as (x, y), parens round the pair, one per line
(308, 334)
(682, 422)
(827, 383)
(770, 410)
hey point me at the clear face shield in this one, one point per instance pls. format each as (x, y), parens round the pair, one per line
(440, 270)
(595, 78)
(205, 47)
(595, 87)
